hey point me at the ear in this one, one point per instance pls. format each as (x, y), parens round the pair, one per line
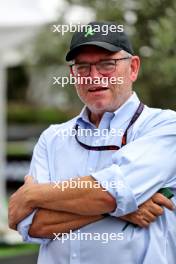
(135, 66)
(71, 72)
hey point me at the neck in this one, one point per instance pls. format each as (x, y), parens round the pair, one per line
(95, 117)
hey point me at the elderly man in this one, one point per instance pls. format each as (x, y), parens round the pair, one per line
(92, 184)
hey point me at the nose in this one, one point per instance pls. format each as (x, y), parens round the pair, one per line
(93, 72)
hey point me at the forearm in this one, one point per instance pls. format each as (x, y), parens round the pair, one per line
(90, 200)
(47, 222)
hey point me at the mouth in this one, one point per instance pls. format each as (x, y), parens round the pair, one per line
(97, 89)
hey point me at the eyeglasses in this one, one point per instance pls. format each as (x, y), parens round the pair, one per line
(103, 67)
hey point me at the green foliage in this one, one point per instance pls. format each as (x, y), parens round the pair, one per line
(19, 148)
(24, 114)
(153, 36)
(50, 48)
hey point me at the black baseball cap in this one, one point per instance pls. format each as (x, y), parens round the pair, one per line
(94, 34)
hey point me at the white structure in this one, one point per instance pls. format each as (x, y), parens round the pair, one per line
(19, 22)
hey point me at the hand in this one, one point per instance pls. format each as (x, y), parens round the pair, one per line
(149, 211)
(19, 203)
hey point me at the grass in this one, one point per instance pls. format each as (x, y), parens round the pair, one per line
(15, 250)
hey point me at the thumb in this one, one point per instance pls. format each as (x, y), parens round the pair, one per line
(28, 179)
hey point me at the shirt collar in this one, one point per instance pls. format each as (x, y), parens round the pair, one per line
(124, 113)
(83, 117)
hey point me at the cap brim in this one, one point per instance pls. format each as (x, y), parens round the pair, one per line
(71, 54)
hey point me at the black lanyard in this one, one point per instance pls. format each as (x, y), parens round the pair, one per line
(124, 138)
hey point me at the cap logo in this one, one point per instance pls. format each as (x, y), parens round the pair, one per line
(89, 31)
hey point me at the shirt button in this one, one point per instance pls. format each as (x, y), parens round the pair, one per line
(97, 141)
(74, 255)
(90, 169)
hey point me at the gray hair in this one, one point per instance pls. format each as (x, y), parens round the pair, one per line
(125, 53)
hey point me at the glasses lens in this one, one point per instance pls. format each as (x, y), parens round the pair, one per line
(107, 66)
(81, 69)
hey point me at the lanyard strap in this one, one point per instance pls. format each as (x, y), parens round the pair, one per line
(124, 138)
(133, 120)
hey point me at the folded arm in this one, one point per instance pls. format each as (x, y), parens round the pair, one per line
(82, 201)
(47, 222)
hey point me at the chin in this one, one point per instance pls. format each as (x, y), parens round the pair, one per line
(99, 107)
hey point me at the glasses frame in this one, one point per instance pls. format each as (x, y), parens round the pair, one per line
(95, 63)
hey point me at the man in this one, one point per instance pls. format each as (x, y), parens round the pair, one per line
(123, 172)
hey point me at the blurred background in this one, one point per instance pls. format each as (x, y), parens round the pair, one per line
(31, 54)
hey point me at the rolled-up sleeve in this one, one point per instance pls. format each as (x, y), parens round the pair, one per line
(141, 168)
(39, 169)
(23, 229)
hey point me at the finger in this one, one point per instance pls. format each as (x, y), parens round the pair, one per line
(136, 218)
(11, 223)
(148, 216)
(160, 199)
(13, 226)
(28, 179)
(156, 209)
(143, 223)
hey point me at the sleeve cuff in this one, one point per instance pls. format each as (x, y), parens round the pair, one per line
(113, 181)
(23, 229)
